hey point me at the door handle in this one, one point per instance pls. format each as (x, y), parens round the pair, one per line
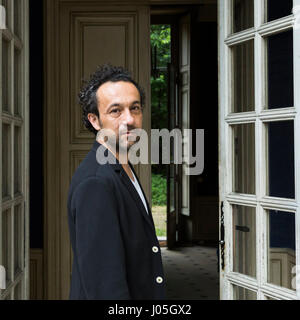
(222, 237)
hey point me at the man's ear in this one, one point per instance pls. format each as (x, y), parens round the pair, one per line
(94, 120)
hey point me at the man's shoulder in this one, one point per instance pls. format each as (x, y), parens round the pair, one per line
(95, 184)
(90, 172)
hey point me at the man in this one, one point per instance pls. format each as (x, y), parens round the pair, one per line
(116, 251)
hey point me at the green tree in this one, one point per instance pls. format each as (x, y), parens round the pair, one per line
(160, 57)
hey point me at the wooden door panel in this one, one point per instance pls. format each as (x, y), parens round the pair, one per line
(81, 36)
(106, 37)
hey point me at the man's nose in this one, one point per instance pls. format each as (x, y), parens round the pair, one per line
(128, 118)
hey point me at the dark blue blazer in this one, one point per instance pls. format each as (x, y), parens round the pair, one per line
(112, 236)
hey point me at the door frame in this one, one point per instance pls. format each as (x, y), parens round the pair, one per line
(260, 117)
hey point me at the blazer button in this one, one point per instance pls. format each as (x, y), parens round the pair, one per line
(159, 280)
(155, 249)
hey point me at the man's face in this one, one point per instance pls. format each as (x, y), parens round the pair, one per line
(120, 110)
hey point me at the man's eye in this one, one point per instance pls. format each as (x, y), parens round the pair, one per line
(114, 111)
(136, 108)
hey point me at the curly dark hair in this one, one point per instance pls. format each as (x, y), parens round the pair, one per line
(88, 94)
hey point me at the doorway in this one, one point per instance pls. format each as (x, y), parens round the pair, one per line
(161, 57)
(193, 218)
(184, 95)
(187, 93)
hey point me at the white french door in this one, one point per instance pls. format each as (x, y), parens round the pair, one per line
(14, 134)
(184, 105)
(259, 125)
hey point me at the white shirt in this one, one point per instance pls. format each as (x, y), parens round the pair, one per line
(139, 190)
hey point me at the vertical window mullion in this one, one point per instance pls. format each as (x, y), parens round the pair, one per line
(12, 108)
(224, 10)
(1, 167)
(10, 76)
(11, 232)
(1, 224)
(1, 86)
(12, 82)
(25, 137)
(297, 133)
(12, 243)
(258, 76)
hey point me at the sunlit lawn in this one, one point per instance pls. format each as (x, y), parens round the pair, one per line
(160, 217)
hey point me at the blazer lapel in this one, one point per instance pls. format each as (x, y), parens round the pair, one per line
(148, 206)
(136, 197)
(130, 187)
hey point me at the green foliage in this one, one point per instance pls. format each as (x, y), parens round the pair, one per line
(161, 40)
(160, 232)
(161, 56)
(159, 190)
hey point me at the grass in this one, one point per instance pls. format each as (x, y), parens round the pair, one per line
(160, 232)
(159, 190)
(159, 204)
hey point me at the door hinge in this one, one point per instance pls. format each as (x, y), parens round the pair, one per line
(222, 237)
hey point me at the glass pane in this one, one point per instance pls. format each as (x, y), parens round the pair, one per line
(244, 158)
(6, 244)
(18, 237)
(240, 293)
(8, 297)
(17, 161)
(278, 9)
(18, 291)
(17, 82)
(281, 165)
(243, 15)
(244, 240)
(17, 17)
(281, 249)
(6, 163)
(5, 78)
(280, 71)
(243, 73)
